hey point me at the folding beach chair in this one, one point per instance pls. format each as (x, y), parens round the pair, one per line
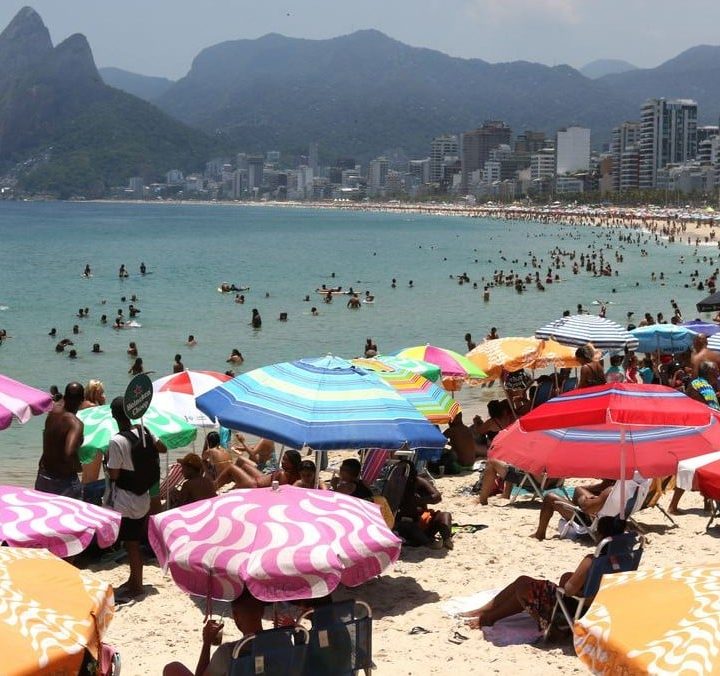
(635, 493)
(525, 484)
(617, 554)
(173, 478)
(658, 488)
(340, 640)
(543, 392)
(375, 459)
(569, 384)
(273, 652)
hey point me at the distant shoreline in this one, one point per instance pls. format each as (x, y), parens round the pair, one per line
(670, 222)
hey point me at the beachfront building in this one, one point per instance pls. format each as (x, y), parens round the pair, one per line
(475, 147)
(708, 151)
(569, 184)
(255, 169)
(377, 175)
(542, 164)
(625, 145)
(668, 135)
(572, 150)
(419, 170)
(443, 150)
(686, 178)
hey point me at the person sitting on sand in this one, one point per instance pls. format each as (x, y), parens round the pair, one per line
(537, 597)
(591, 371)
(195, 487)
(246, 475)
(247, 612)
(308, 471)
(349, 481)
(590, 499)
(215, 458)
(461, 441)
(416, 523)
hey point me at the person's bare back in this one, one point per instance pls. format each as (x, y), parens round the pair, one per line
(62, 437)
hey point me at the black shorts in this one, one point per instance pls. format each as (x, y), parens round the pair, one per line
(133, 530)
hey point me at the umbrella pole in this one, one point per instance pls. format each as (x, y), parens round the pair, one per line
(622, 473)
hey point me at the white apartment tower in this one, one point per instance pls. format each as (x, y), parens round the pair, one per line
(625, 151)
(572, 150)
(441, 148)
(668, 135)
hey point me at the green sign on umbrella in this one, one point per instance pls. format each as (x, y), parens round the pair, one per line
(100, 427)
(138, 396)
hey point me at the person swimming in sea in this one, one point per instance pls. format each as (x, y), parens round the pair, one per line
(256, 320)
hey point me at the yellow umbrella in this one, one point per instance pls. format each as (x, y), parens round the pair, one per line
(513, 354)
(50, 613)
(663, 621)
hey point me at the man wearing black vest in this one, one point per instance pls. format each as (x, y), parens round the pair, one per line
(123, 496)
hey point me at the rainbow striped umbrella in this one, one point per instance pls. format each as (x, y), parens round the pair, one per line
(325, 404)
(385, 363)
(432, 401)
(452, 364)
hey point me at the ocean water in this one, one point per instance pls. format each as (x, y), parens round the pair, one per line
(283, 254)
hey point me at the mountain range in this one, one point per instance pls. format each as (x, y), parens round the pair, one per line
(65, 132)
(66, 128)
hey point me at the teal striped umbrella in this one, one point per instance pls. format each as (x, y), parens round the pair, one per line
(324, 404)
(100, 427)
(422, 368)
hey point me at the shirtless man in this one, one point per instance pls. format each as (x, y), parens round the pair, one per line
(701, 353)
(461, 441)
(588, 498)
(63, 435)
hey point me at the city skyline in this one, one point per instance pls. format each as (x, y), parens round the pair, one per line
(545, 31)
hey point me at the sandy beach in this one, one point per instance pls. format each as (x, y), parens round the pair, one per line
(166, 625)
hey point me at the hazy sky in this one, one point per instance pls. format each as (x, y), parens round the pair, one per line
(161, 37)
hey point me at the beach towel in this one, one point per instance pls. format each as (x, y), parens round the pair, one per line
(518, 629)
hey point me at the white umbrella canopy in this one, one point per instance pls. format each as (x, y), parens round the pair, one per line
(177, 393)
(579, 330)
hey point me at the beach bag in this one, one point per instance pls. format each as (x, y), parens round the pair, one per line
(146, 463)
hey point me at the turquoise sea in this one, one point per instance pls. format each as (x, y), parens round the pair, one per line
(283, 254)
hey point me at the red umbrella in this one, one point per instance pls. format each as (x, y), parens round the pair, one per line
(623, 404)
(621, 422)
(594, 451)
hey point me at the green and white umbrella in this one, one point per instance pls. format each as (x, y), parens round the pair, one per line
(100, 427)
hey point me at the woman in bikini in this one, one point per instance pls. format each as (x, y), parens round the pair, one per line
(591, 371)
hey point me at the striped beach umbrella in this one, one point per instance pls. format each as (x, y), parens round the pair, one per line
(432, 401)
(282, 545)
(579, 330)
(714, 342)
(20, 402)
(325, 404)
(699, 326)
(100, 427)
(452, 364)
(390, 363)
(666, 338)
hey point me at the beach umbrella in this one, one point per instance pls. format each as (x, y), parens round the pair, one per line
(594, 450)
(663, 338)
(177, 393)
(432, 401)
(51, 613)
(20, 402)
(452, 364)
(709, 304)
(512, 354)
(579, 330)
(281, 544)
(714, 342)
(63, 526)
(653, 621)
(387, 362)
(100, 427)
(628, 407)
(324, 404)
(699, 326)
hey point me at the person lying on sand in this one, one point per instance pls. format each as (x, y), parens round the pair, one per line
(537, 597)
(246, 475)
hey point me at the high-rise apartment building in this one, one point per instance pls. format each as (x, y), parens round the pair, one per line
(542, 164)
(255, 169)
(377, 174)
(625, 146)
(441, 149)
(668, 135)
(475, 147)
(572, 150)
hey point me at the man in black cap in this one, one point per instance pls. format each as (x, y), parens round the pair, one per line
(62, 437)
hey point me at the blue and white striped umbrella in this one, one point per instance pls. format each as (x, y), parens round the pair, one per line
(663, 338)
(578, 330)
(325, 404)
(714, 342)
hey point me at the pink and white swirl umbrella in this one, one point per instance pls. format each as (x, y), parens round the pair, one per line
(284, 544)
(63, 526)
(21, 402)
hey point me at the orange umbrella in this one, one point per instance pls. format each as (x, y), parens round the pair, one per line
(51, 613)
(513, 354)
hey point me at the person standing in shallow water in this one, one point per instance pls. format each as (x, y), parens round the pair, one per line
(256, 320)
